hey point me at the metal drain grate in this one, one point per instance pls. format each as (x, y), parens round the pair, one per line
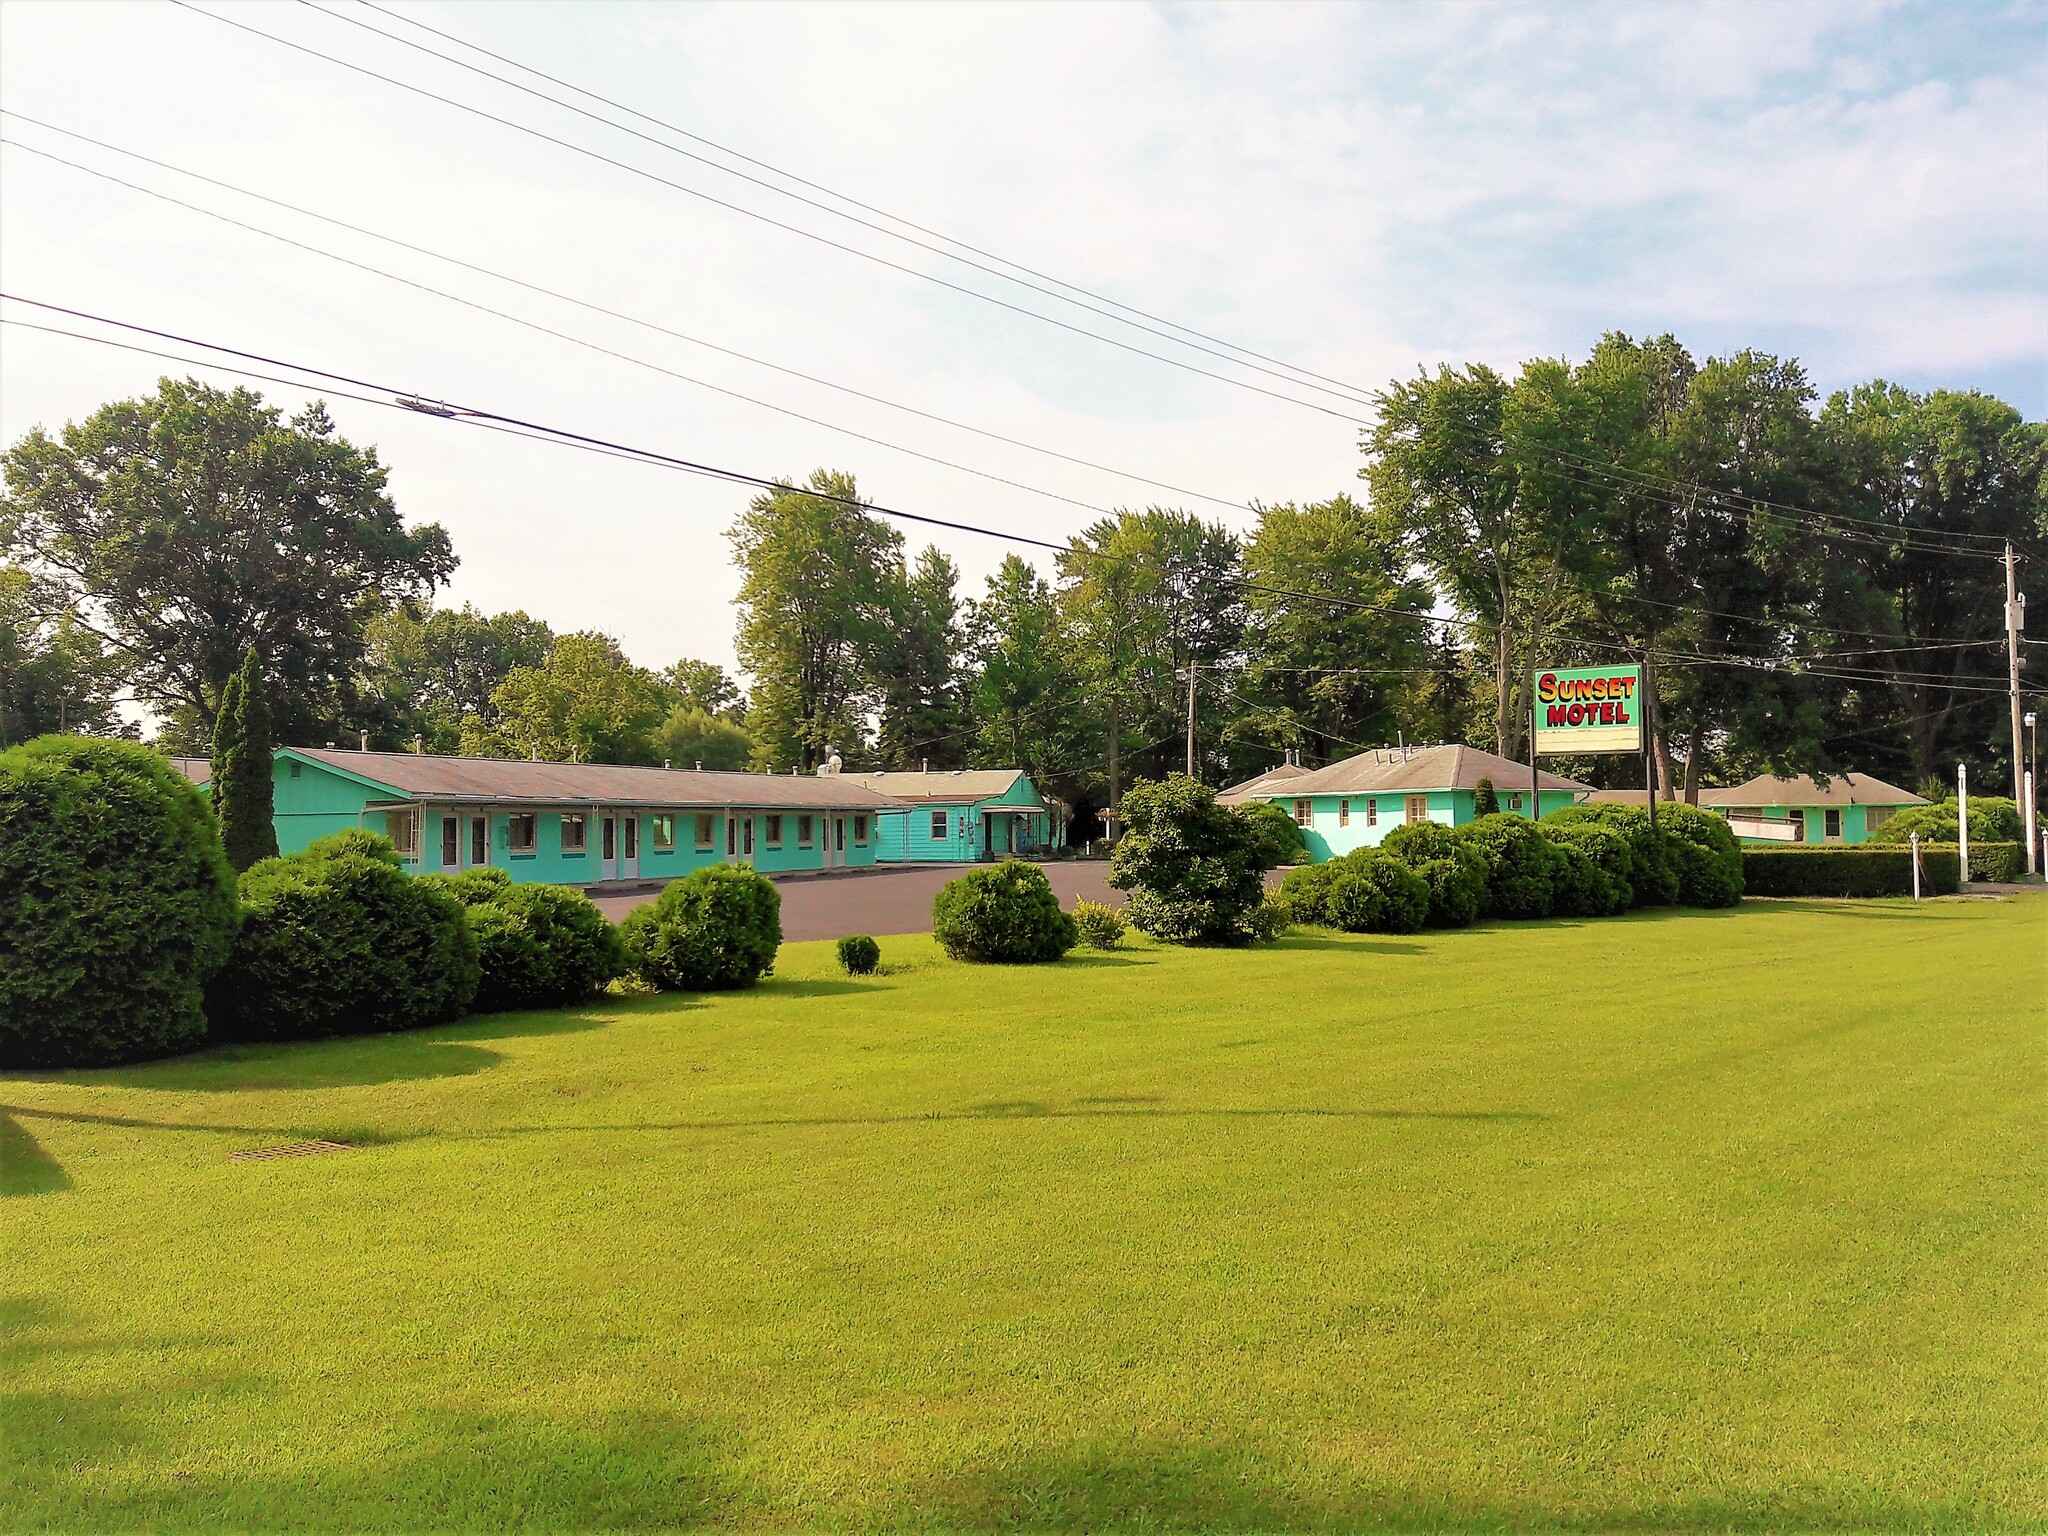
(290, 1149)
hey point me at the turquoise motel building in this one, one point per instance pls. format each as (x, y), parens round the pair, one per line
(572, 823)
(1357, 802)
(960, 815)
(1772, 809)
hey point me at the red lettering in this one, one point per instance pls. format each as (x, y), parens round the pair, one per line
(1555, 715)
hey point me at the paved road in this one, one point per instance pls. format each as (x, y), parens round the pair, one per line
(881, 901)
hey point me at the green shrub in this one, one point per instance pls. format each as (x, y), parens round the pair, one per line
(1100, 925)
(362, 843)
(1599, 877)
(1305, 891)
(1274, 830)
(2001, 862)
(1705, 853)
(1267, 921)
(1194, 869)
(116, 903)
(1522, 865)
(1484, 801)
(1452, 868)
(716, 928)
(1004, 914)
(1375, 893)
(1833, 870)
(859, 955)
(1992, 820)
(1652, 874)
(472, 887)
(540, 945)
(340, 940)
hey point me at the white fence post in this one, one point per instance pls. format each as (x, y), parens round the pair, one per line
(1963, 818)
(1916, 866)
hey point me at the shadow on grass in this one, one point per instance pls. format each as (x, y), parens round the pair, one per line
(1358, 943)
(354, 1135)
(349, 1061)
(25, 1168)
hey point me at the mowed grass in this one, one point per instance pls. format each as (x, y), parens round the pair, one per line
(1680, 1221)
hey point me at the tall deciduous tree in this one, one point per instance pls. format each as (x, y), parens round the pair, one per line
(188, 525)
(244, 792)
(55, 674)
(424, 675)
(587, 704)
(917, 670)
(817, 578)
(690, 738)
(705, 685)
(1026, 695)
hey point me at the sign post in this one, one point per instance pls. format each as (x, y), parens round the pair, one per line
(1579, 711)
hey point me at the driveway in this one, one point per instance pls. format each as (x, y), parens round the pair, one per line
(891, 899)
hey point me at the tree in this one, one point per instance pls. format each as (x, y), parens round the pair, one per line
(690, 738)
(1195, 869)
(244, 794)
(186, 526)
(588, 704)
(56, 675)
(1023, 694)
(423, 676)
(704, 685)
(814, 597)
(916, 669)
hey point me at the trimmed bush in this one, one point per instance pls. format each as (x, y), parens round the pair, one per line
(1484, 801)
(1448, 864)
(1274, 829)
(1375, 893)
(1101, 926)
(1305, 891)
(540, 945)
(715, 929)
(859, 955)
(1705, 853)
(1522, 865)
(1652, 875)
(340, 940)
(1267, 921)
(1004, 914)
(1854, 871)
(1600, 866)
(2001, 862)
(116, 903)
(1195, 869)
(1992, 820)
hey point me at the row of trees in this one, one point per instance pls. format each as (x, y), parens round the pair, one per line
(1809, 585)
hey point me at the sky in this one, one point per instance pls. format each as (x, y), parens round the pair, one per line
(1354, 191)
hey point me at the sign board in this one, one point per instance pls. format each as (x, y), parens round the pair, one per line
(1589, 709)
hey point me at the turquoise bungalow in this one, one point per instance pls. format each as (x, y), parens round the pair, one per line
(1769, 809)
(960, 815)
(572, 823)
(1357, 802)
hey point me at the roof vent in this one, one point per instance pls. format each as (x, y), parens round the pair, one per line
(366, 742)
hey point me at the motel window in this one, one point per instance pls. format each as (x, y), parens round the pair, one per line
(732, 836)
(629, 828)
(747, 836)
(938, 826)
(1875, 816)
(707, 833)
(1343, 813)
(295, 770)
(1304, 813)
(771, 833)
(451, 842)
(1372, 813)
(1834, 823)
(520, 832)
(1418, 808)
(402, 827)
(663, 830)
(575, 832)
(804, 832)
(860, 829)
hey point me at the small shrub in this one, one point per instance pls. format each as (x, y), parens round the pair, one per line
(1705, 853)
(859, 955)
(1275, 832)
(1267, 921)
(1004, 914)
(1100, 925)
(1448, 863)
(340, 940)
(1598, 880)
(715, 929)
(540, 946)
(1305, 891)
(1373, 892)
(1522, 865)
(116, 904)
(1194, 869)
(1854, 871)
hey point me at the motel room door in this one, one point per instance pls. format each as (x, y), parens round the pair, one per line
(629, 847)
(608, 847)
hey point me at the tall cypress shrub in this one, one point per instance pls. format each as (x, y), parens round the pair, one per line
(243, 795)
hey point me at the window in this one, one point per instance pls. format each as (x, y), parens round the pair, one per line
(804, 833)
(1875, 816)
(1418, 808)
(747, 836)
(732, 837)
(632, 837)
(520, 831)
(402, 827)
(860, 829)
(771, 833)
(938, 826)
(1799, 826)
(608, 838)
(296, 768)
(1372, 813)
(1304, 813)
(707, 833)
(1343, 813)
(574, 833)
(451, 842)
(663, 831)
(1834, 824)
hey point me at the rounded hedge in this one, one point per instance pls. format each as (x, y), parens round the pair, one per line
(116, 903)
(716, 928)
(1305, 891)
(340, 940)
(1100, 925)
(540, 945)
(1452, 868)
(1653, 872)
(1705, 853)
(1372, 892)
(1992, 820)
(1275, 833)
(1005, 914)
(1522, 865)
(859, 955)
(1597, 880)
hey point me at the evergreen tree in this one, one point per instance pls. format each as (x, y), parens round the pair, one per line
(243, 796)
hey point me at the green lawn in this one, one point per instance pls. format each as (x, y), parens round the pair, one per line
(1684, 1221)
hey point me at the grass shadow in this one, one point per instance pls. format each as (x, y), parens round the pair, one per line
(25, 1168)
(1366, 943)
(349, 1061)
(354, 1135)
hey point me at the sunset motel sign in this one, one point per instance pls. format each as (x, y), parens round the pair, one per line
(1589, 709)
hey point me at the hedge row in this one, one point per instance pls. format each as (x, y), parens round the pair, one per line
(1855, 871)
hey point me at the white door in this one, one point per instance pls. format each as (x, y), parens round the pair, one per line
(608, 848)
(629, 848)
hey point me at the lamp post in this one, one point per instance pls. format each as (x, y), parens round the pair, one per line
(2032, 781)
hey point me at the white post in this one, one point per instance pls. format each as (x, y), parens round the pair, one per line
(2032, 841)
(1916, 866)
(1963, 817)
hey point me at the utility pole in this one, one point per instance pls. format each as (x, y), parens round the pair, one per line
(2015, 621)
(1191, 717)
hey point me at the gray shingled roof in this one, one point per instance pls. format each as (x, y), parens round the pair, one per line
(1394, 770)
(950, 785)
(1843, 789)
(1255, 788)
(505, 781)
